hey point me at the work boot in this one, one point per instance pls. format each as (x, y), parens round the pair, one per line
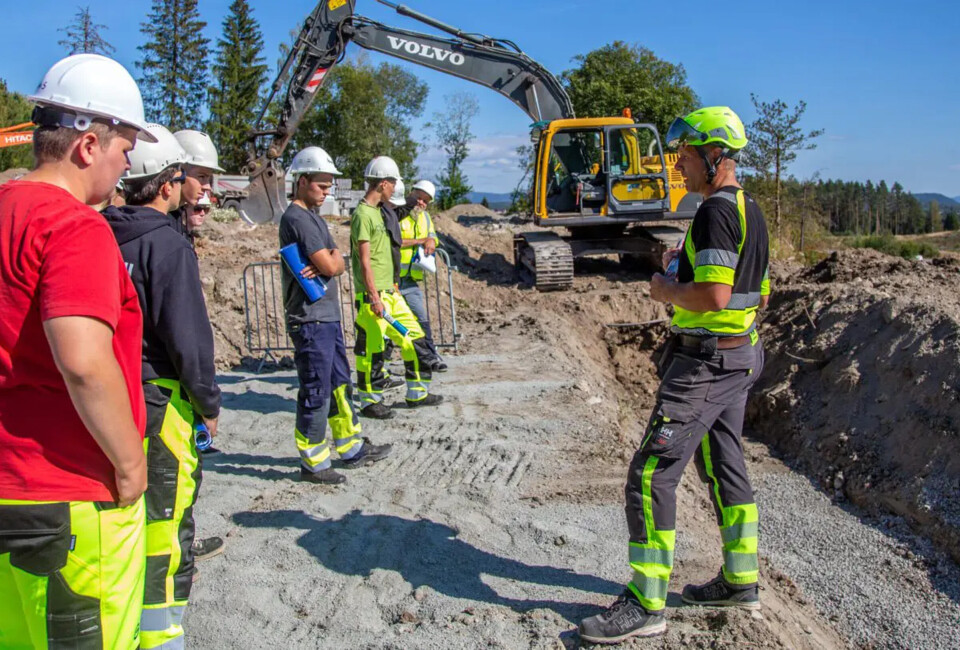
(377, 411)
(430, 400)
(438, 366)
(369, 454)
(624, 619)
(327, 476)
(392, 382)
(207, 548)
(211, 451)
(720, 593)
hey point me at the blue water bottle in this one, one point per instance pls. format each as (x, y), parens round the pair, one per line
(395, 323)
(202, 435)
(315, 288)
(673, 266)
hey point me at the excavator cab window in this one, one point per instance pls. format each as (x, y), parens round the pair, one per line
(575, 178)
(636, 165)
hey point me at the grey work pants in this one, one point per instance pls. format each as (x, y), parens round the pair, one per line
(413, 294)
(699, 412)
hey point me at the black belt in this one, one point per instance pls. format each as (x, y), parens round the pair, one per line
(366, 295)
(712, 343)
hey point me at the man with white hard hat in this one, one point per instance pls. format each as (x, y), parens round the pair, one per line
(179, 376)
(419, 241)
(72, 465)
(379, 303)
(326, 392)
(203, 163)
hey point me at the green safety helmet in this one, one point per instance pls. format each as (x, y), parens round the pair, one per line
(712, 125)
(716, 125)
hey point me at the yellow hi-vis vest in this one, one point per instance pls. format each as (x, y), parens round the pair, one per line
(415, 226)
(739, 316)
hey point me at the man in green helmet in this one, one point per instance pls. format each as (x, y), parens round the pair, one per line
(707, 368)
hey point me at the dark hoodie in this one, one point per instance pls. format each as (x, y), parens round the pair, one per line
(177, 337)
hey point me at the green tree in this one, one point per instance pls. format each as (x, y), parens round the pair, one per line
(14, 109)
(173, 64)
(775, 139)
(363, 111)
(936, 221)
(484, 202)
(521, 198)
(239, 72)
(951, 221)
(454, 136)
(83, 35)
(620, 75)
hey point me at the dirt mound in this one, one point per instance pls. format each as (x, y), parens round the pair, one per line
(12, 174)
(862, 383)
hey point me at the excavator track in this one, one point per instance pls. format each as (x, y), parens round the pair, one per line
(546, 257)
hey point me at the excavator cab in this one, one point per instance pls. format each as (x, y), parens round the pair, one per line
(594, 171)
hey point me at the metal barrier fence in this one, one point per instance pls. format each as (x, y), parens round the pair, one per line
(266, 332)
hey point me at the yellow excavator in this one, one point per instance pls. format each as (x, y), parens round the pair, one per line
(606, 181)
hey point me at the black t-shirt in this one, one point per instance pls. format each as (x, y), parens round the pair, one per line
(309, 231)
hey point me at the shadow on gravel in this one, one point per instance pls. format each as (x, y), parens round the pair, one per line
(265, 403)
(265, 377)
(240, 464)
(426, 553)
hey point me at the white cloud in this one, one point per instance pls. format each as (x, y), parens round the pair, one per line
(492, 165)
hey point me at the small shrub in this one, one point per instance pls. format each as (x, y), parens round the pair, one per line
(891, 246)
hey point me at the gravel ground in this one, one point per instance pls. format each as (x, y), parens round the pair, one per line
(882, 585)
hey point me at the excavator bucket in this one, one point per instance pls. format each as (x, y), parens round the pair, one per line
(267, 196)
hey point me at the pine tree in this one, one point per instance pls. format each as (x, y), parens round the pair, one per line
(239, 72)
(83, 35)
(174, 75)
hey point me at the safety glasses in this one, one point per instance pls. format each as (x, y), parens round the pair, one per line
(180, 178)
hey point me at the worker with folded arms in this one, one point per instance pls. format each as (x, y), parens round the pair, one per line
(379, 300)
(180, 384)
(320, 354)
(418, 234)
(72, 467)
(710, 363)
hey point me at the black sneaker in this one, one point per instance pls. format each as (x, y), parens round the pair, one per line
(624, 619)
(393, 382)
(207, 548)
(327, 476)
(438, 366)
(720, 593)
(430, 400)
(369, 454)
(377, 411)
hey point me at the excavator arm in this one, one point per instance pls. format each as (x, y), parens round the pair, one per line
(494, 63)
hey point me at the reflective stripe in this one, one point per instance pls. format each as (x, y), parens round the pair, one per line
(161, 619)
(717, 257)
(646, 555)
(740, 562)
(737, 532)
(651, 589)
(702, 331)
(312, 452)
(349, 447)
(416, 390)
(740, 301)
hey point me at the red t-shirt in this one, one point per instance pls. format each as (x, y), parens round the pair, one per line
(58, 257)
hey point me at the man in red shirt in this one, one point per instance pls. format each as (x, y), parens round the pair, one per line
(72, 468)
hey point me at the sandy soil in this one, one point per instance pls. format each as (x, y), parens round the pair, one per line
(498, 522)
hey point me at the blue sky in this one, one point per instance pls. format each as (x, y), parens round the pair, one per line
(881, 77)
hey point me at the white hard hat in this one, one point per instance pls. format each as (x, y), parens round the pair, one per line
(382, 167)
(88, 86)
(397, 198)
(150, 158)
(204, 201)
(426, 187)
(313, 160)
(202, 151)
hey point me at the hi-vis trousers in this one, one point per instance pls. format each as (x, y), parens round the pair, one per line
(369, 349)
(326, 395)
(699, 411)
(173, 478)
(71, 574)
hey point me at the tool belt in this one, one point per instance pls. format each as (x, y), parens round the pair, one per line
(710, 344)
